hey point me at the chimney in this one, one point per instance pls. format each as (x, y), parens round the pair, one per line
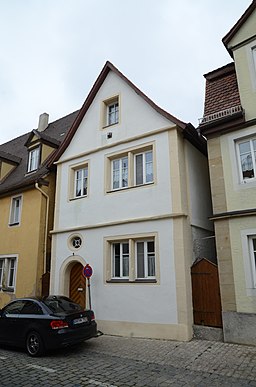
(43, 122)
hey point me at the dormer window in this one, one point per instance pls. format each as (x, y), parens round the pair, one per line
(33, 159)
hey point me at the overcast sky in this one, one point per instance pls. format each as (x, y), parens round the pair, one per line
(53, 50)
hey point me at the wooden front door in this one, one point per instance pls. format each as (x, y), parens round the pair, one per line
(77, 286)
(206, 294)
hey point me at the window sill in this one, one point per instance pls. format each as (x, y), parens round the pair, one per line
(78, 197)
(131, 187)
(7, 290)
(126, 281)
(14, 224)
(30, 172)
(110, 125)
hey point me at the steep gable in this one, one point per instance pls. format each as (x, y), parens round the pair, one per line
(111, 85)
(243, 30)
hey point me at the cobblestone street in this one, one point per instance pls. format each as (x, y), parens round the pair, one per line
(113, 361)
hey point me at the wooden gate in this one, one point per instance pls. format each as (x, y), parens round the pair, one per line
(77, 285)
(206, 294)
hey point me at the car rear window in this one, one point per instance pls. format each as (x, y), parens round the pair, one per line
(60, 305)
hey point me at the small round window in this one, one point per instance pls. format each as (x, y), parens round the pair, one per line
(75, 242)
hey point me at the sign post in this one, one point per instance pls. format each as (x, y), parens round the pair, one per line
(87, 273)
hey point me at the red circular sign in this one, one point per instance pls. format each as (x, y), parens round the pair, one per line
(87, 271)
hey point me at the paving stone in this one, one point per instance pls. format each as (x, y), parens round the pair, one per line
(110, 361)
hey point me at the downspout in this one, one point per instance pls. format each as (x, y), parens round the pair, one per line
(46, 224)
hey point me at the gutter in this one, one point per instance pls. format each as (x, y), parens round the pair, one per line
(46, 224)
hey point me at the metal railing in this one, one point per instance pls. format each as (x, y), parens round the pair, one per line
(220, 114)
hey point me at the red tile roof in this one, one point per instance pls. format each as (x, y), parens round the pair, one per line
(221, 91)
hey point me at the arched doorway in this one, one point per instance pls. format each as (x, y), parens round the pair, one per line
(77, 283)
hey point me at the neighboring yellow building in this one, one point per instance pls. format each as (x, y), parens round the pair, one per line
(229, 123)
(27, 191)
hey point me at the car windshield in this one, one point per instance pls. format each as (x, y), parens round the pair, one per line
(61, 304)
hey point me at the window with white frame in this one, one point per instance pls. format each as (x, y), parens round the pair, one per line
(81, 182)
(132, 259)
(33, 159)
(132, 169)
(7, 273)
(110, 111)
(120, 173)
(252, 248)
(145, 259)
(15, 213)
(120, 256)
(247, 158)
(113, 113)
(144, 168)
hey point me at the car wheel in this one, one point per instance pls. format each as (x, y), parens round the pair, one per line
(34, 344)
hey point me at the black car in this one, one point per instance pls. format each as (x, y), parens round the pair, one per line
(39, 324)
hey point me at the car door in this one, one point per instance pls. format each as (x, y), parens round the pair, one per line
(31, 317)
(9, 322)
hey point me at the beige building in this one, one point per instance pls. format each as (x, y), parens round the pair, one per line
(27, 189)
(229, 123)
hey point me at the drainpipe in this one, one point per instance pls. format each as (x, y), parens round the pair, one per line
(46, 223)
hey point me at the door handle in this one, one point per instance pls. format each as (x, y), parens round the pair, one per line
(80, 289)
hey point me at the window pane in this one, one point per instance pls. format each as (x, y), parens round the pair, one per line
(125, 172)
(78, 182)
(81, 179)
(31, 307)
(116, 174)
(149, 167)
(33, 160)
(15, 210)
(151, 259)
(113, 113)
(85, 175)
(14, 308)
(140, 260)
(1, 270)
(11, 273)
(125, 247)
(116, 248)
(254, 244)
(246, 160)
(139, 169)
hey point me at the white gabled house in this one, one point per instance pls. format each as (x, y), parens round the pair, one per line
(132, 195)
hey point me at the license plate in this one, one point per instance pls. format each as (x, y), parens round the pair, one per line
(80, 320)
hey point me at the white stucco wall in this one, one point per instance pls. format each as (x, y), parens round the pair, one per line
(151, 200)
(147, 209)
(136, 118)
(136, 302)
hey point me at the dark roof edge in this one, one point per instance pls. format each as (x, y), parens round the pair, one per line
(238, 25)
(20, 187)
(10, 158)
(193, 136)
(96, 86)
(220, 72)
(229, 126)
